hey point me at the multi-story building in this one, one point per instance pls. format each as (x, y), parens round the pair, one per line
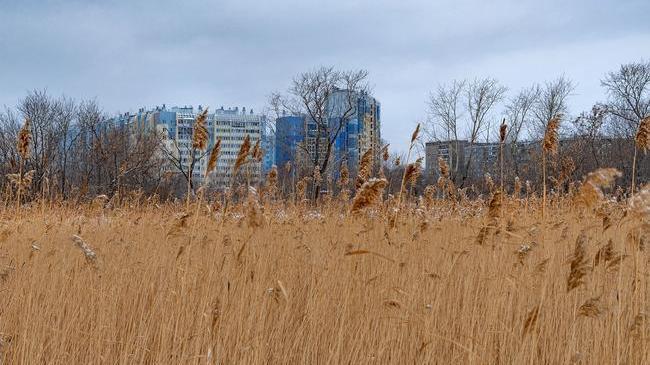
(453, 152)
(289, 133)
(355, 119)
(360, 114)
(230, 125)
(457, 154)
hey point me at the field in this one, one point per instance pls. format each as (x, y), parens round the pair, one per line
(471, 282)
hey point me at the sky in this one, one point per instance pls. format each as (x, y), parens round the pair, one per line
(130, 54)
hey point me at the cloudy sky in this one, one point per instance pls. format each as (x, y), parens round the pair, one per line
(129, 53)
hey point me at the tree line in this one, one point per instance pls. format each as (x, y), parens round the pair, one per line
(75, 152)
(474, 110)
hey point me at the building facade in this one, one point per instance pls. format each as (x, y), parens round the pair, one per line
(361, 130)
(289, 134)
(484, 157)
(355, 119)
(232, 127)
(176, 125)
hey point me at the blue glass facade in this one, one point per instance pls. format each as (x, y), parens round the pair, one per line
(168, 119)
(366, 114)
(289, 132)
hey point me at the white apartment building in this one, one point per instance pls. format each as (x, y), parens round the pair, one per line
(231, 125)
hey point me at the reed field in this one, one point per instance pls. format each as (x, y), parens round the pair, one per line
(482, 282)
(368, 275)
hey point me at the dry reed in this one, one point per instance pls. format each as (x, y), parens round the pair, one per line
(299, 283)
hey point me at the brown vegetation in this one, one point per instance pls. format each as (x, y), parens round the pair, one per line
(277, 283)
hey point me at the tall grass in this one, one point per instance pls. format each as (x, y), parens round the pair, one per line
(272, 279)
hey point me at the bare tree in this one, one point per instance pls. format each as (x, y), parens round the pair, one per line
(551, 102)
(482, 95)
(445, 113)
(174, 153)
(40, 109)
(108, 156)
(89, 146)
(9, 126)
(518, 113)
(311, 95)
(588, 129)
(65, 115)
(628, 91)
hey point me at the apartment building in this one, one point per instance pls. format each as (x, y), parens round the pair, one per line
(176, 126)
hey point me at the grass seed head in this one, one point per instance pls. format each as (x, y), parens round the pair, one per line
(642, 137)
(550, 142)
(369, 194)
(200, 132)
(24, 139)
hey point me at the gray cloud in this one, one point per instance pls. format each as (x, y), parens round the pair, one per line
(142, 53)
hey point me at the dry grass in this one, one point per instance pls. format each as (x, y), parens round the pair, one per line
(282, 284)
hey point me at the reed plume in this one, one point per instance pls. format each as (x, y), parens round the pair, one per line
(494, 208)
(244, 149)
(200, 133)
(22, 145)
(257, 153)
(642, 137)
(591, 193)
(550, 142)
(415, 134)
(369, 193)
(549, 146)
(272, 182)
(413, 171)
(579, 263)
(214, 156)
(365, 168)
(24, 139)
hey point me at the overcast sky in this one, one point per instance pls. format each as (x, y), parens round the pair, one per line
(129, 54)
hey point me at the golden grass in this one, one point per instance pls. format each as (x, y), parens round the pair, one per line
(282, 284)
